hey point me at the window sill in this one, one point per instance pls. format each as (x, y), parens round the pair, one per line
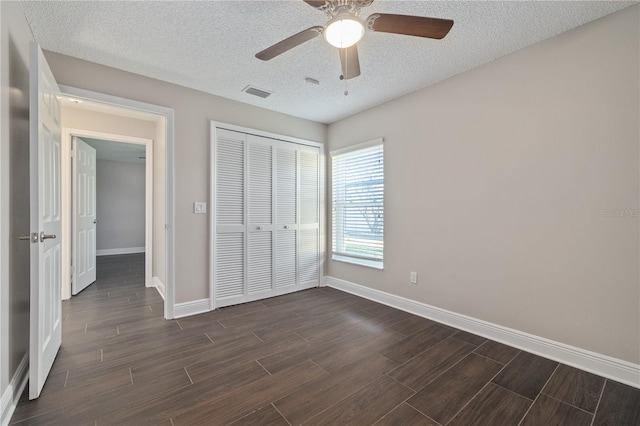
(375, 264)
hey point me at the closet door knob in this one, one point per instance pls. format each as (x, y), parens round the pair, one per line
(259, 227)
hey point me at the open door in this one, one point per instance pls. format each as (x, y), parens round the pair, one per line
(84, 215)
(45, 219)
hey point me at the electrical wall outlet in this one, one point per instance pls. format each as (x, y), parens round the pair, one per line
(200, 207)
(413, 278)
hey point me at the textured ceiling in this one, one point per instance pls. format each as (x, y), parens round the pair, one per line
(210, 45)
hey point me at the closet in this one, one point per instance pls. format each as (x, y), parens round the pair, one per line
(266, 221)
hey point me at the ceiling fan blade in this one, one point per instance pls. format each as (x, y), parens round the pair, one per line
(409, 25)
(318, 4)
(289, 43)
(350, 62)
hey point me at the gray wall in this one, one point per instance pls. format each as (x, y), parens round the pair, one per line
(120, 205)
(504, 186)
(193, 112)
(14, 190)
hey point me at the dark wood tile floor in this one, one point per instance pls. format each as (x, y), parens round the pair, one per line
(318, 357)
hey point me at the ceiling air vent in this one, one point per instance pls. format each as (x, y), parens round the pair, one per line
(257, 92)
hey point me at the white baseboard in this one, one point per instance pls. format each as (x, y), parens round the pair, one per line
(12, 394)
(126, 250)
(191, 308)
(159, 285)
(602, 365)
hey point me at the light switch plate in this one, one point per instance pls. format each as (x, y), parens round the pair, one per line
(199, 207)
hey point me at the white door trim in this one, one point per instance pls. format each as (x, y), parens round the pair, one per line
(67, 135)
(168, 114)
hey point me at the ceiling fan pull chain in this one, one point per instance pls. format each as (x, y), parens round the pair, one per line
(346, 69)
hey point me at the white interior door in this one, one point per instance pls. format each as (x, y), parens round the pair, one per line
(259, 182)
(84, 215)
(45, 218)
(286, 224)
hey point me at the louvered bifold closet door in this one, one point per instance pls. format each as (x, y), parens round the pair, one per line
(229, 242)
(286, 225)
(309, 226)
(260, 214)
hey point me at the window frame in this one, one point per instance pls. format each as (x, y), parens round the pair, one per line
(337, 236)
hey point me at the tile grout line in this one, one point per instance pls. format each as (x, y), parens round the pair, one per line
(515, 393)
(221, 325)
(566, 403)
(435, 378)
(65, 379)
(279, 412)
(398, 381)
(101, 354)
(179, 325)
(209, 338)
(259, 338)
(538, 396)
(389, 412)
(131, 375)
(85, 327)
(491, 359)
(480, 391)
(171, 420)
(303, 338)
(424, 414)
(263, 367)
(188, 375)
(599, 399)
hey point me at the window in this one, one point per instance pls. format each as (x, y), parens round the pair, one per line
(358, 204)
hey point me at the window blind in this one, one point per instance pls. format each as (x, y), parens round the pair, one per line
(358, 204)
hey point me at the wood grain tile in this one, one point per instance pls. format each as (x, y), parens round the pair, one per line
(189, 397)
(320, 394)
(366, 406)
(415, 343)
(419, 371)
(265, 416)
(352, 352)
(470, 338)
(551, 412)
(411, 325)
(620, 405)
(575, 387)
(497, 351)
(243, 401)
(406, 415)
(494, 405)
(447, 394)
(322, 355)
(526, 374)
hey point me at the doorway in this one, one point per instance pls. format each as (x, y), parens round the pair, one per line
(158, 150)
(125, 164)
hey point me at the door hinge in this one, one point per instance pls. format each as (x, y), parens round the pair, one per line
(73, 153)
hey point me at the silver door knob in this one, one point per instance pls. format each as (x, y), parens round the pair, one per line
(286, 226)
(259, 227)
(95, 220)
(44, 236)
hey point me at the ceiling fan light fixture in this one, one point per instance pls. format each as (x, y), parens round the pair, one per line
(344, 30)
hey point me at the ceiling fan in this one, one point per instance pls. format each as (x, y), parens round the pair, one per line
(345, 28)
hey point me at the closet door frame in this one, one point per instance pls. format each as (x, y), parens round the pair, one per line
(215, 125)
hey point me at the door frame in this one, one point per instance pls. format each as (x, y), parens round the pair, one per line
(168, 115)
(68, 225)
